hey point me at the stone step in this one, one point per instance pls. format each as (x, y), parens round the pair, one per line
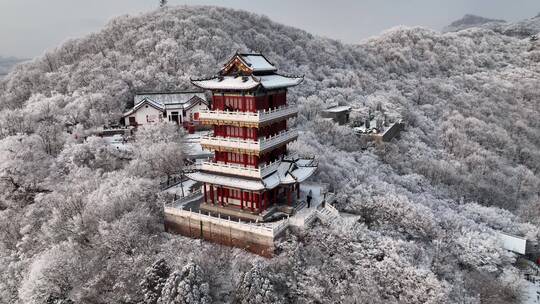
(325, 211)
(326, 215)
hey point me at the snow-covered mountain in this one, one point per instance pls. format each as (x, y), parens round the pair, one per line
(520, 29)
(82, 222)
(469, 21)
(7, 63)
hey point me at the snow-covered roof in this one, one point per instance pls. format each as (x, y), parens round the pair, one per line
(247, 82)
(172, 100)
(279, 81)
(246, 72)
(338, 109)
(228, 181)
(296, 170)
(145, 101)
(289, 171)
(257, 62)
(168, 98)
(192, 102)
(227, 83)
(302, 173)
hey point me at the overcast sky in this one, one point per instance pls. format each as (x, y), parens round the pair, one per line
(29, 27)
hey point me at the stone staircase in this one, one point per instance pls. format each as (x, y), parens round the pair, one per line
(328, 213)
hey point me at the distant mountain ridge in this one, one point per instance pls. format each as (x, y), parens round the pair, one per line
(473, 20)
(519, 29)
(7, 63)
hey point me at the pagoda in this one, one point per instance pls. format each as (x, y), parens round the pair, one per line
(251, 175)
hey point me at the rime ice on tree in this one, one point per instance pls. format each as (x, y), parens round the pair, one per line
(251, 173)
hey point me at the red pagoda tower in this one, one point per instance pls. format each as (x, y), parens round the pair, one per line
(251, 175)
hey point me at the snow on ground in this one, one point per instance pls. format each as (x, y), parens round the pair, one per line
(194, 148)
(186, 185)
(533, 291)
(317, 192)
(116, 141)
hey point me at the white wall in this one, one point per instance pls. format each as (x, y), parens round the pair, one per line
(513, 243)
(148, 111)
(195, 109)
(145, 113)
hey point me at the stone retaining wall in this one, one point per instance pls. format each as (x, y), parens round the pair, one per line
(222, 232)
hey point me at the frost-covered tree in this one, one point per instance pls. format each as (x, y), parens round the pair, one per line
(49, 276)
(154, 281)
(93, 153)
(256, 286)
(186, 287)
(426, 207)
(158, 151)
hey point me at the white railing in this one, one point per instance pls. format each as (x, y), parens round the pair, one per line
(310, 218)
(301, 219)
(278, 139)
(249, 117)
(282, 225)
(237, 169)
(270, 231)
(278, 113)
(252, 117)
(186, 199)
(331, 208)
(231, 142)
(249, 144)
(269, 168)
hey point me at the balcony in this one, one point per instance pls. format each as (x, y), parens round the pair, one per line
(247, 119)
(237, 169)
(248, 146)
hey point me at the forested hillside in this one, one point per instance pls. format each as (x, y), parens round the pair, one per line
(82, 222)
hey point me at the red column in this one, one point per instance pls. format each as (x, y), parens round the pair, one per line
(204, 190)
(212, 194)
(252, 200)
(289, 200)
(222, 103)
(241, 199)
(258, 201)
(220, 195)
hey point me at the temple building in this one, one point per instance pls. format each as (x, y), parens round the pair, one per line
(180, 107)
(251, 175)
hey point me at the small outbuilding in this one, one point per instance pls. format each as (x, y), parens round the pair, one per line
(339, 114)
(179, 107)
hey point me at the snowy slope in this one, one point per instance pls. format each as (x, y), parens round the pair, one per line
(79, 222)
(520, 29)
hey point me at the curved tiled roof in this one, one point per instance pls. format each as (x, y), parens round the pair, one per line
(144, 101)
(272, 81)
